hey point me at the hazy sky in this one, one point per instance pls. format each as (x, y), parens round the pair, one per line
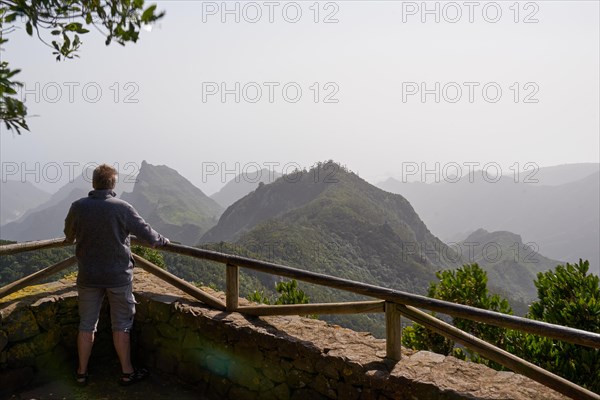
(503, 82)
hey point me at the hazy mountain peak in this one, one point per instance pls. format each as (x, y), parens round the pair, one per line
(45, 220)
(511, 264)
(481, 235)
(288, 192)
(17, 197)
(172, 204)
(243, 184)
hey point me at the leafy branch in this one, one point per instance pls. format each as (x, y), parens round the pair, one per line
(65, 20)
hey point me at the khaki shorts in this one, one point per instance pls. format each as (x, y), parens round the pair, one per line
(121, 302)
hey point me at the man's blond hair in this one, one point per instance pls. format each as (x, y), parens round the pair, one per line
(105, 177)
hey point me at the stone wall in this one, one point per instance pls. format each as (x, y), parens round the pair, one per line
(228, 355)
(38, 328)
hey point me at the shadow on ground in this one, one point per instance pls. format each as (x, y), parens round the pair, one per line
(104, 371)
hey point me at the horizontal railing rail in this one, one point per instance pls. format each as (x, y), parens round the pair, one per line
(392, 302)
(572, 335)
(15, 248)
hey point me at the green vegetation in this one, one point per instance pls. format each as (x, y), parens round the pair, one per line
(466, 285)
(289, 293)
(567, 296)
(259, 296)
(119, 21)
(154, 256)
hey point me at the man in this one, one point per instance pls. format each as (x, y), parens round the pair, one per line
(100, 225)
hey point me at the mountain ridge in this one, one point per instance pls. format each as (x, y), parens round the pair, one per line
(243, 184)
(303, 213)
(172, 204)
(511, 265)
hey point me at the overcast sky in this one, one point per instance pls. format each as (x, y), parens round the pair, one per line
(374, 85)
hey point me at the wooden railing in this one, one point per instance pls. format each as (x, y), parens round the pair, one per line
(392, 302)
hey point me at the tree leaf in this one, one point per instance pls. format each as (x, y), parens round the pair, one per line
(148, 15)
(10, 18)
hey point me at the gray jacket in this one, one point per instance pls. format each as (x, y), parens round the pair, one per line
(100, 225)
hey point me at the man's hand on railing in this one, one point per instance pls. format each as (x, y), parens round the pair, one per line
(167, 241)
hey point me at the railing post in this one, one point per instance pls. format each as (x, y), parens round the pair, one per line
(393, 332)
(179, 283)
(232, 291)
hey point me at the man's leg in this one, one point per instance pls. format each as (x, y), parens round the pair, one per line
(122, 342)
(85, 342)
(90, 302)
(122, 310)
